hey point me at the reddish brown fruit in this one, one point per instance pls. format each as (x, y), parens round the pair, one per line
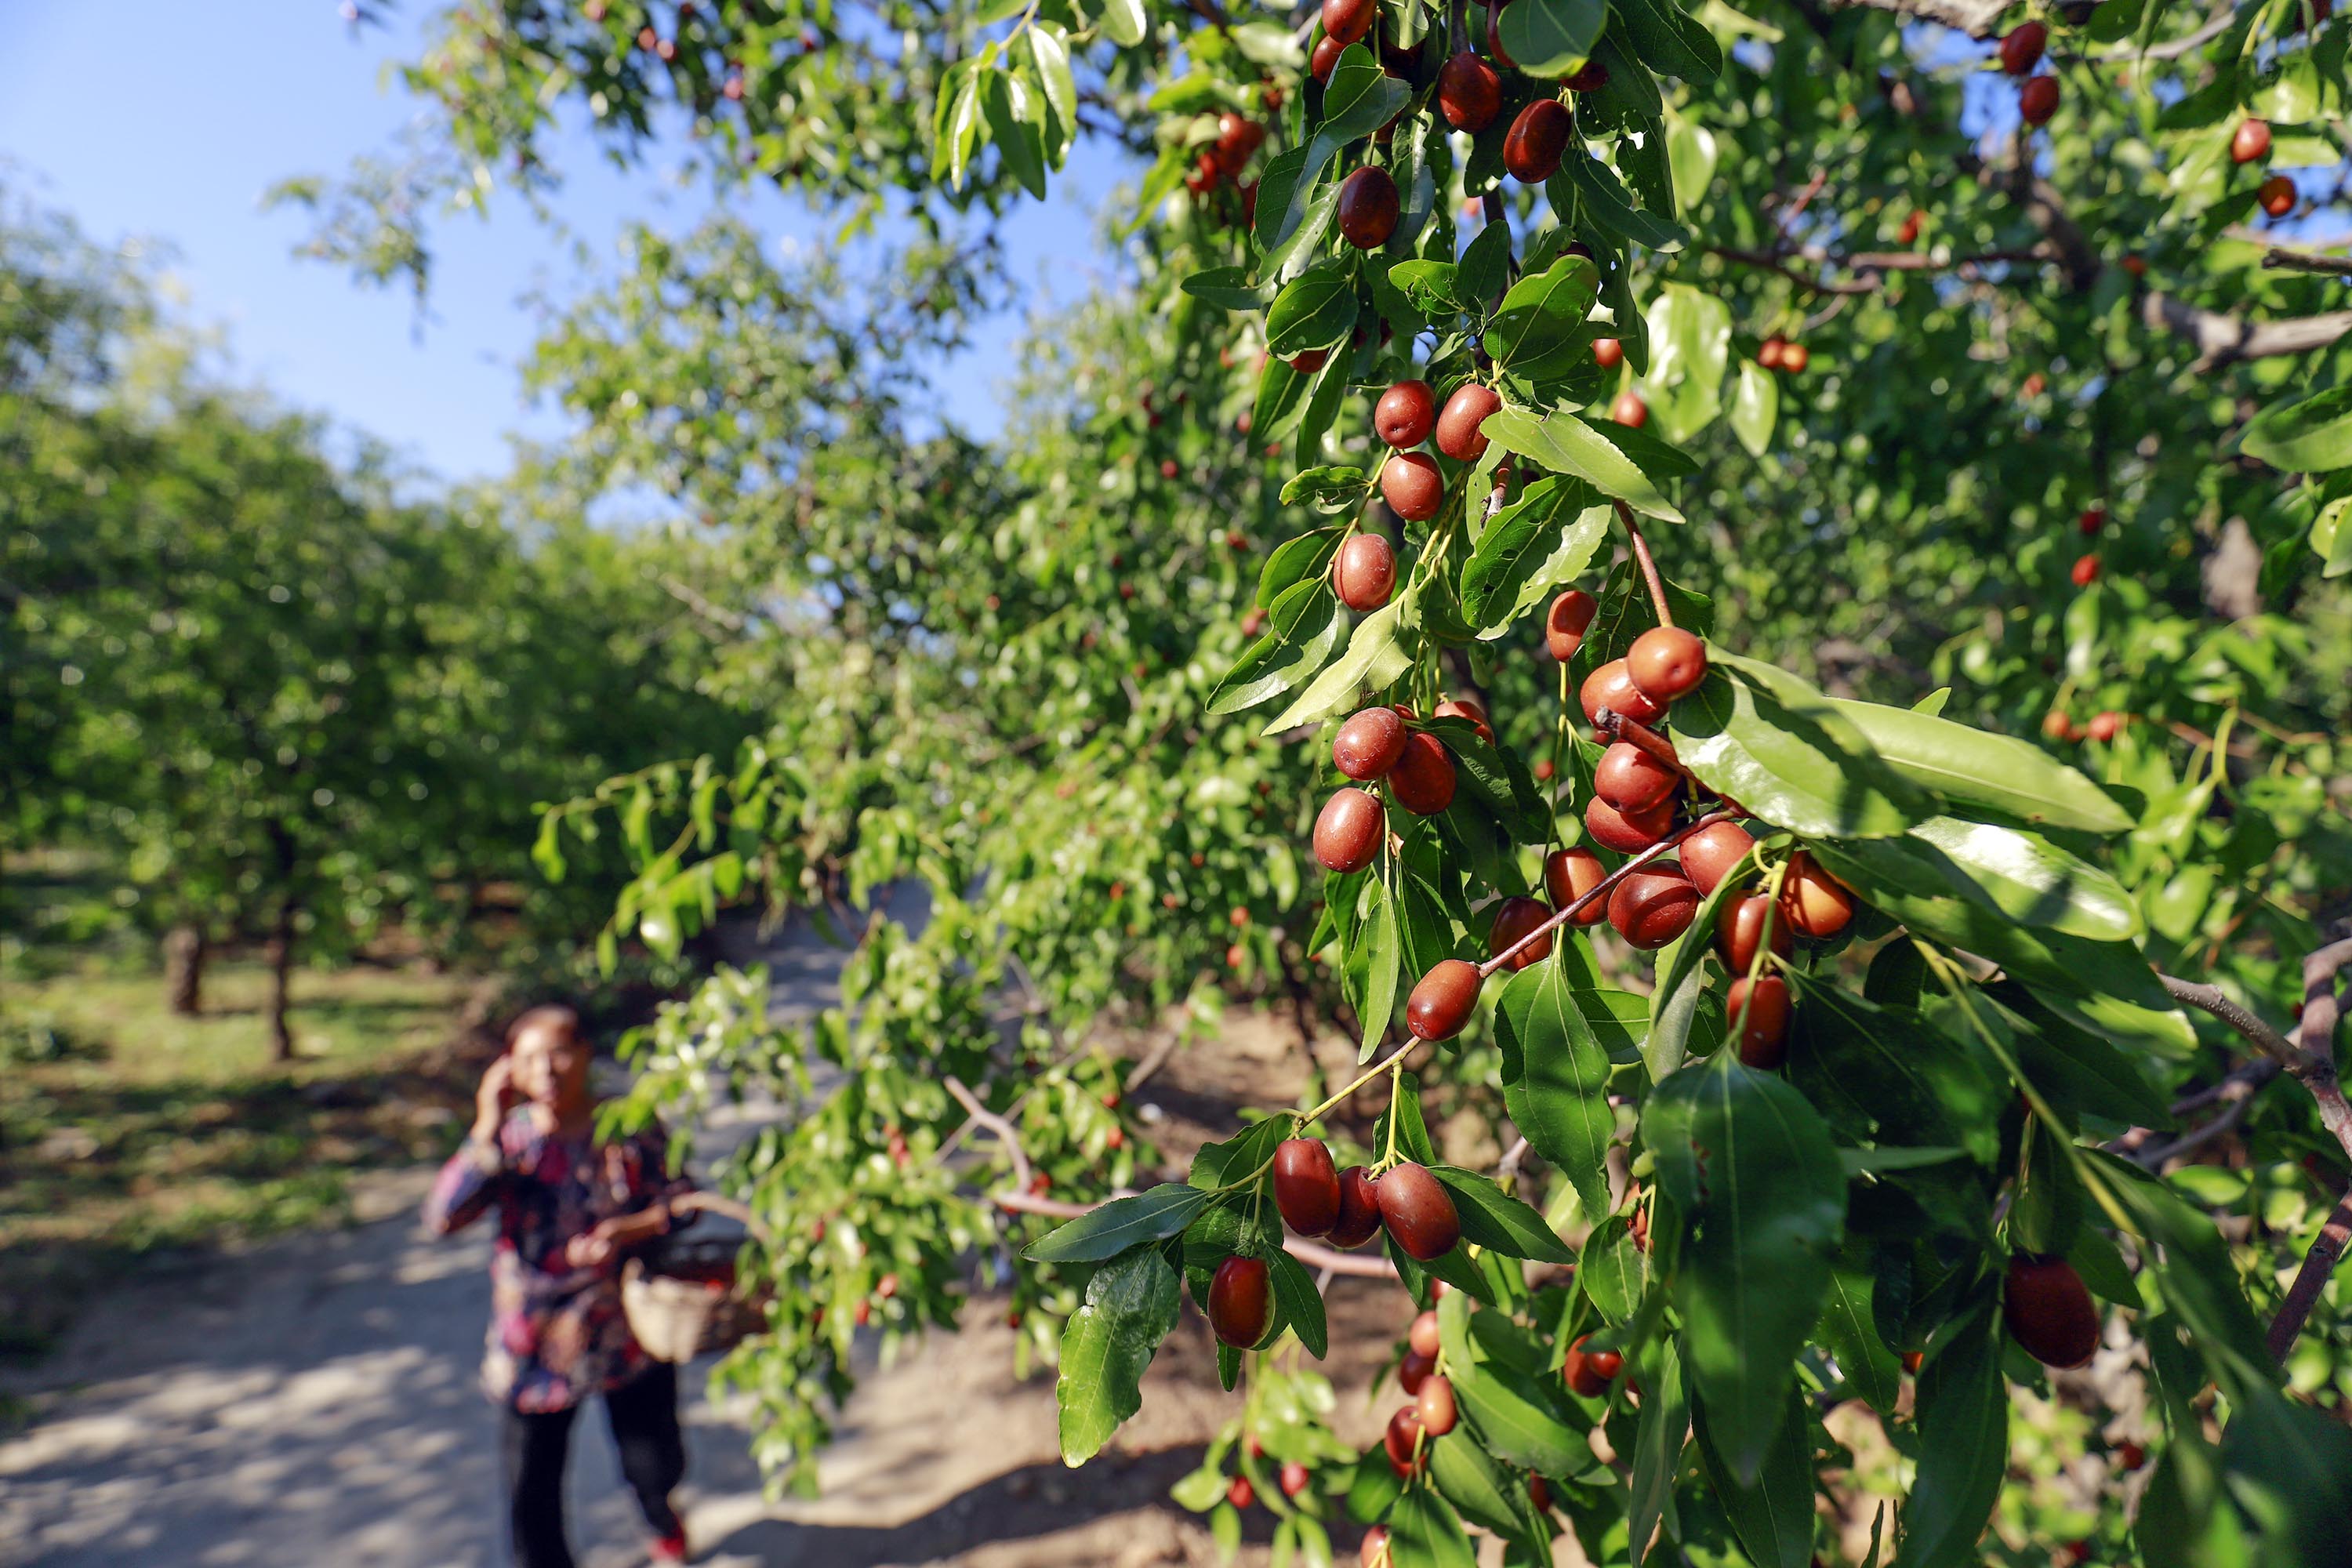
(1306, 363)
(1360, 1208)
(1652, 906)
(1544, 770)
(1769, 352)
(1405, 414)
(1241, 1301)
(1739, 928)
(1241, 1494)
(1348, 830)
(1364, 572)
(2252, 141)
(2094, 519)
(1666, 662)
(2135, 265)
(1912, 1360)
(1413, 1370)
(1412, 486)
(1168, 469)
(1569, 875)
(1368, 745)
(1764, 1031)
(2057, 725)
(1708, 855)
(1402, 1438)
(1612, 687)
(1423, 779)
(2103, 726)
(2276, 195)
(1424, 1336)
(1540, 1494)
(2085, 570)
(1629, 410)
(1613, 829)
(1306, 1187)
(1565, 623)
(1811, 900)
(2037, 100)
(1795, 357)
(1532, 147)
(1589, 1375)
(1295, 1478)
(1349, 20)
(1909, 233)
(1375, 1553)
(1440, 1004)
(1458, 436)
(2049, 1312)
(1495, 39)
(1469, 93)
(1435, 1406)
(2020, 47)
(1608, 352)
(1514, 918)
(1589, 76)
(2131, 1456)
(1630, 779)
(1368, 210)
(1327, 50)
(1416, 1209)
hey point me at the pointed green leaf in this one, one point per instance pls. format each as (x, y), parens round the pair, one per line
(1131, 1303)
(1556, 1077)
(1121, 1224)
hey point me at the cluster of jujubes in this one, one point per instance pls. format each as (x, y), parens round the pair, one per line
(1221, 164)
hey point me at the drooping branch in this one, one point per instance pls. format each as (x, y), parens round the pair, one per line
(2226, 339)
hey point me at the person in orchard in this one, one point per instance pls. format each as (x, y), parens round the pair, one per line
(570, 1210)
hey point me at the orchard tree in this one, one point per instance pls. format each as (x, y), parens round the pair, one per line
(1606, 402)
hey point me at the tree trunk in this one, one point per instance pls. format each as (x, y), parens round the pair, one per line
(281, 967)
(183, 970)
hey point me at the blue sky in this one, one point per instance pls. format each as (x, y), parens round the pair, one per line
(168, 120)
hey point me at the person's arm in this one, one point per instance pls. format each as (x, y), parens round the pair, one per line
(469, 1178)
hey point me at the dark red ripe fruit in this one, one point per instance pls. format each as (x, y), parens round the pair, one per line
(1375, 1549)
(2020, 47)
(1469, 93)
(1608, 352)
(1241, 1494)
(1514, 918)
(2057, 725)
(1241, 1301)
(1627, 834)
(1612, 687)
(1795, 357)
(1465, 708)
(1589, 1375)
(1424, 1336)
(1294, 1478)
(1349, 20)
(1540, 1494)
(1739, 928)
(1544, 770)
(1565, 622)
(1630, 779)
(1306, 363)
(1327, 50)
(1435, 1406)
(1629, 410)
(1360, 1208)
(1708, 855)
(1764, 1033)
(1591, 77)
(2252, 141)
(1364, 572)
(1458, 436)
(1816, 903)
(2092, 519)
(1411, 485)
(1440, 1004)
(1417, 1211)
(2037, 100)
(1413, 1370)
(1368, 208)
(1423, 779)
(1569, 875)
(1494, 38)
(2131, 1456)
(1306, 1187)
(1666, 662)
(1651, 907)
(1348, 831)
(1532, 147)
(1909, 233)
(2049, 1312)
(2276, 195)
(2085, 570)
(2103, 726)
(1405, 414)
(1402, 1437)
(1769, 352)
(1370, 743)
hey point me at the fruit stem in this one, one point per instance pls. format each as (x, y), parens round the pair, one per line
(1600, 890)
(1392, 1062)
(1649, 567)
(1756, 963)
(1396, 1090)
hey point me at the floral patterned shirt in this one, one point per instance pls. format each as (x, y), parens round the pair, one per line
(557, 1333)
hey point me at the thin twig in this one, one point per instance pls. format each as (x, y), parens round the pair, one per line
(1649, 568)
(2265, 1038)
(983, 1117)
(1600, 890)
(2326, 1251)
(2279, 256)
(1307, 1252)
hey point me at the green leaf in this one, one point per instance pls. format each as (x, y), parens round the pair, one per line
(1297, 1304)
(1485, 1493)
(1546, 538)
(1294, 560)
(1301, 631)
(1963, 1444)
(2311, 436)
(1682, 980)
(1521, 1421)
(1690, 344)
(1851, 1333)
(1613, 1273)
(1969, 767)
(1131, 1303)
(2029, 879)
(1428, 285)
(1551, 38)
(1752, 1170)
(1755, 407)
(1771, 741)
(1668, 40)
(1424, 1533)
(1340, 487)
(1123, 21)
(1593, 184)
(1314, 311)
(1050, 51)
(1565, 444)
(1556, 1076)
(1658, 1442)
(1007, 102)
(1771, 1512)
(1383, 958)
(1221, 1165)
(1886, 1074)
(1539, 329)
(1229, 287)
(1486, 268)
(1498, 1222)
(1411, 1132)
(1375, 658)
(1121, 1224)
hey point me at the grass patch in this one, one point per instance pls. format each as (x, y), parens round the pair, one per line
(125, 1130)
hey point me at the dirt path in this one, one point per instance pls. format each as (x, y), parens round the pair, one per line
(313, 1400)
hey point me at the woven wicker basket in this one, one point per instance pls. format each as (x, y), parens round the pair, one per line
(686, 1300)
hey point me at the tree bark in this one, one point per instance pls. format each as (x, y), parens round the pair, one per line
(281, 968)
(183, 970)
